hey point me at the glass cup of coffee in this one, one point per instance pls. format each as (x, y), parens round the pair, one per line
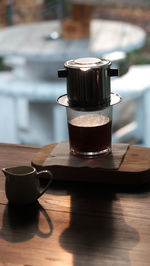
(90, 132)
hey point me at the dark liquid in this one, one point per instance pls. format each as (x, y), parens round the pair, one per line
(93, 136)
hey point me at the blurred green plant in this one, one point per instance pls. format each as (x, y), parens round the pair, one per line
(141, 56)
(137, 57)
(4, 67)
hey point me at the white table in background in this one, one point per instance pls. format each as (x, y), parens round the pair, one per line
(45, 57)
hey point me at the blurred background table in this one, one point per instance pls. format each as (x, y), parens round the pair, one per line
(35, 63)
(106, 36)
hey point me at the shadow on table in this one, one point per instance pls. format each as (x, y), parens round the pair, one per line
(98, 233)
(22, 223)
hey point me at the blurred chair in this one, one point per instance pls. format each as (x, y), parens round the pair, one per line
(134, 85)
(36, 118)
(29, 112)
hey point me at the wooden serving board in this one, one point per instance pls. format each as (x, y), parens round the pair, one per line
(134, 168)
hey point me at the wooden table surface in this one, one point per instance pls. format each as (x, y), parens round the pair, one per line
(74, 223)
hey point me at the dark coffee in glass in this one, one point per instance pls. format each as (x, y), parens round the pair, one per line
(90, 132)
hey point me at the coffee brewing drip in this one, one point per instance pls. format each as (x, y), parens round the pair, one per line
(88, 84)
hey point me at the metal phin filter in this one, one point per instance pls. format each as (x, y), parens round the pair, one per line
(88, 84)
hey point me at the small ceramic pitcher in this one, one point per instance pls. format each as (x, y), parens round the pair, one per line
(22, 184)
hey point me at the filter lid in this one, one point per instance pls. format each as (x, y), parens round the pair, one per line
(87, 62)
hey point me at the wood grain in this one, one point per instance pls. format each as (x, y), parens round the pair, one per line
(74, 224)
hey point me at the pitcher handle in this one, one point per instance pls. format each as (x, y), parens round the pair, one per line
(45, 173)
